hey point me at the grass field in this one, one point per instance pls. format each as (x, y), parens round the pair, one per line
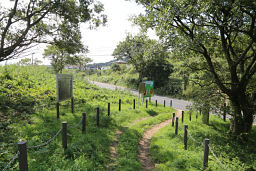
(28, 113)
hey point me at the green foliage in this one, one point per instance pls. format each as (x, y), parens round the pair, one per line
(50, 22)
(147, 56)
(217, 40)
(36, 86)
(115, 67)
(168, 151)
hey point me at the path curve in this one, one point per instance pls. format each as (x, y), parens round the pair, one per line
(144, 144)
(176, 103)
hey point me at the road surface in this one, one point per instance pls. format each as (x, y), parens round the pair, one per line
(176, 103)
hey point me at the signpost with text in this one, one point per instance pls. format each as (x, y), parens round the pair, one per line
(64, 84)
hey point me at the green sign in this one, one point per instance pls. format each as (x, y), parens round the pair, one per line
(149, 88)
(64, 86)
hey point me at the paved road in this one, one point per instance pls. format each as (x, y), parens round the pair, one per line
(176, 103)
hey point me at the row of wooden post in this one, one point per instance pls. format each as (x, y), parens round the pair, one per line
(22, 145)
(206, 140)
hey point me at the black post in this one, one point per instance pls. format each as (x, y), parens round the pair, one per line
(200, 111)
(72, 104)
(173, 117)
(23, 161)
(64, 135)
(189, 115)
(146, 103)
(156, 103)
(119, 104)
(185, 137)
(196, 115)
(98, 117)
(84, 123)
(58, 109)
(133, 103)
(176, 126)
(170, 103)
(182, 116)
(164, 103)
(108, 109)
(224, 114)
(206, 153)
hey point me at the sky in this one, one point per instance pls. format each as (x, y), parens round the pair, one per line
(102, 41)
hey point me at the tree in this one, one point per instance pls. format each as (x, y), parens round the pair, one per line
(222, 35)
(147, 56)
(25, 61)
(33, 21)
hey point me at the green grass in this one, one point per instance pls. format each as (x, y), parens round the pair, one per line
(36, 122)
(168, 150)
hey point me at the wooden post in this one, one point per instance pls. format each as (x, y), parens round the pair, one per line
(176, 126)
(146, 103)
(108, 109)
(58, 109)
(98, 117)
(200, 111)
(156, 103)
(170, 103)
(224, 114)
(72, 104)
(196, 115)
(64, 135)
(164, 103)
(173, 117)
(120, 104)
(182, 116)
(189, 115)
(23, 161)
(133, 103)
(185, 137)
(206, 153)
(84, 123)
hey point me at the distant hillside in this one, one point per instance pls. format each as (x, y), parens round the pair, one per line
(96, 65)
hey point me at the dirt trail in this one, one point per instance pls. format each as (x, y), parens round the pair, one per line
(113, 148)
(144, 155)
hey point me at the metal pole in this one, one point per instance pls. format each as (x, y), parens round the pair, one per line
(119, 104)
(72, 104)
(58, 109)
(64, 135)
(206, 153)
(176, 126)
(173, 118)
(108, 109)
(98, 117)
(84, 123)
(133, 103)
(23, 161)
(185, 137)
(182, 116)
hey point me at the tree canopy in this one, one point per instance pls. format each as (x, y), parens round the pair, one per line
(222, 35)
(29, 22)
(148, 56)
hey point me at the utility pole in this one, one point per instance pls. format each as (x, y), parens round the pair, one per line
(32, 58)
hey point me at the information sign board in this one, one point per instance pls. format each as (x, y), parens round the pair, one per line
(142, 88)
(149, 88)
(64, 86)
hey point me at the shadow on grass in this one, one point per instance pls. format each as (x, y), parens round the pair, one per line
(151, 112)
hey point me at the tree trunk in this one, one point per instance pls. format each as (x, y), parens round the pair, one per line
(205, 112)
(242, 115)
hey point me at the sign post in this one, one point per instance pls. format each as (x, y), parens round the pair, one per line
(146, 89)
(64, 85)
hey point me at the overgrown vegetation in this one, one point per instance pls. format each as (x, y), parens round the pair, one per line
(35, 120)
